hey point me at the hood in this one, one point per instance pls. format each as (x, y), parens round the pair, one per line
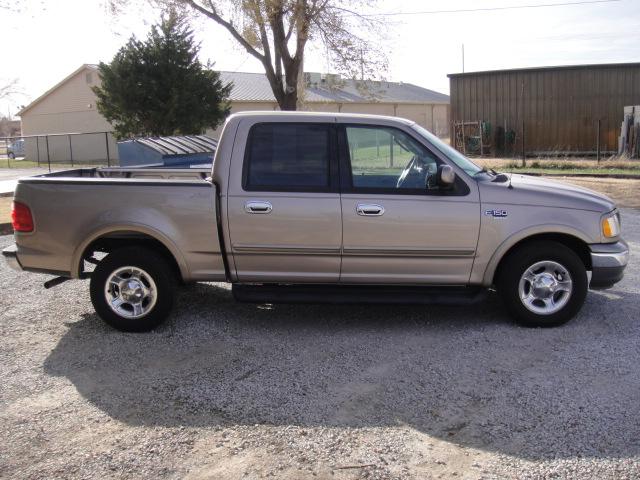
(540, 191)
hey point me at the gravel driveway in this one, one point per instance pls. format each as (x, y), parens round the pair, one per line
(227, 390)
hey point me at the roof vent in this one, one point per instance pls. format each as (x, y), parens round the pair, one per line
(312, 78)
(333, 77)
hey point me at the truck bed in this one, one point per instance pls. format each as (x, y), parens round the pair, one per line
(74, 210)
(151, 173)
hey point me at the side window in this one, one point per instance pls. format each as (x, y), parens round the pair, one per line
(387, 158)
(288, 156)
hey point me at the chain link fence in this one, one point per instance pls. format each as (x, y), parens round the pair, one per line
(59, 150)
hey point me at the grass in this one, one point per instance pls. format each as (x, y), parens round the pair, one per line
(8, 163)
(577, 171)
(377, 160)
(567, 167)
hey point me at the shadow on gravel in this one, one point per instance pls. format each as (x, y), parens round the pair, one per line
(469, 377)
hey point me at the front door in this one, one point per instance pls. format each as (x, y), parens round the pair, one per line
(398, 225)
(285, 220)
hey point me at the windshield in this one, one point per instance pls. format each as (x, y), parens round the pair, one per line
(455, 156)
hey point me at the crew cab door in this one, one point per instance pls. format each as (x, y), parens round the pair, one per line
(283, 205)
(396, 228)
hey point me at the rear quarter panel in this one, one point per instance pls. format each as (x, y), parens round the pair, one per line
(69, 215)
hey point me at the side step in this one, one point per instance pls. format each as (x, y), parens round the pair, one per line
(354, 294)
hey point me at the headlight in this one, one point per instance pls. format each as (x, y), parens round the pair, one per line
(611, 226)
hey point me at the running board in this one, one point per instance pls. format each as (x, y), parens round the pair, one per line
(355, 294)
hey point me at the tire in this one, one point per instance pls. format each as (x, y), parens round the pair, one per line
(139, 283)
(544, 303)
(12, 155)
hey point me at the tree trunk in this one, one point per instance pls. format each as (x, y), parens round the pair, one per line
(289, 102)
(289, 99)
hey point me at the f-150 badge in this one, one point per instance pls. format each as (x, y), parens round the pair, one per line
(496, 213)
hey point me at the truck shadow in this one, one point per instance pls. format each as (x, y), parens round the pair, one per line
(468, 376)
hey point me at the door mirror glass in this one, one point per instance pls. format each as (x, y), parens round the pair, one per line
(446, 176)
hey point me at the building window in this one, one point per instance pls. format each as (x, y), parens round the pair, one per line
(89, 78)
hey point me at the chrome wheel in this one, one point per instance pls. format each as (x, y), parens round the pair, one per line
(130, 292)
(545, 287)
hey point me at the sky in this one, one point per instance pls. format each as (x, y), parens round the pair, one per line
(50, 39)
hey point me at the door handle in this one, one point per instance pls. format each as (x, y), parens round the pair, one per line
(258, 207)
(369, 209)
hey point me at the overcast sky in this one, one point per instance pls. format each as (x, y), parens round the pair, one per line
(46, 44)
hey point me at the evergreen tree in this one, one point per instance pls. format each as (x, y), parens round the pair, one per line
(159, 86)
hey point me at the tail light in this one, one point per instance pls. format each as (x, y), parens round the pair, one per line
(21, 218)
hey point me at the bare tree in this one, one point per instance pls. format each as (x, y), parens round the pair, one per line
(10, 4)
(9, 88)
(22, 5)
(276, 32)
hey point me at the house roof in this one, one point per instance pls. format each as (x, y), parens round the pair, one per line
(56, 86)
(254, 87)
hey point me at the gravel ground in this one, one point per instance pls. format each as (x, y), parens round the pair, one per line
(227, 390)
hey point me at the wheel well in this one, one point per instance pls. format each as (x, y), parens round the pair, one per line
(112, 241)
(569, 241)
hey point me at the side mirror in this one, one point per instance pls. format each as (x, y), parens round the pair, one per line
(446, 176)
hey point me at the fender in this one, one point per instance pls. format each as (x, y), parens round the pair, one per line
(523, 234)
(129, 227)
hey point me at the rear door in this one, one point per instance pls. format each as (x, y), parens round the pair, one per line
(284, 207)
(398, 226)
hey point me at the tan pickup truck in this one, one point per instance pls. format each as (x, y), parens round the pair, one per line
(310, 207)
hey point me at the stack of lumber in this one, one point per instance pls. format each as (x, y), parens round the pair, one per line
(629, 140)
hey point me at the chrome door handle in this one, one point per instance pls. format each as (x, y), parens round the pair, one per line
(369, 209)
(258, 207)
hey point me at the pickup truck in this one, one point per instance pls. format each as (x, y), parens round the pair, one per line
(320, 207)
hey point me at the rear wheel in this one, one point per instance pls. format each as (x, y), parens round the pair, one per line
(132, 289)
(12, 155)
(543, 284)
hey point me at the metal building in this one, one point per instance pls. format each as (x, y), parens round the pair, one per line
(548, 110)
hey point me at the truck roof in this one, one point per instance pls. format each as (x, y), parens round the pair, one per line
(341, 117)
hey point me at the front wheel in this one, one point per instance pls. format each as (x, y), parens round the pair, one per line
(132, 289)
(543, 284)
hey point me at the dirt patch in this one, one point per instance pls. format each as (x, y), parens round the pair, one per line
(626, 193)
(581, 163)
(5, 209)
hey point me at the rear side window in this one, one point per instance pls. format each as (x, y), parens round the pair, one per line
(288, 156)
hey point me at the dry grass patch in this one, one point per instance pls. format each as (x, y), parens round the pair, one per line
(5, 209)
(559, 165)
(626, 193)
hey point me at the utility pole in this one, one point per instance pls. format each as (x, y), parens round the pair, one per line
(524, 153)
(462, 120)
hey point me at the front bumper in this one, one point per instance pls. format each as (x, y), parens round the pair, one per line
(608, 261)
